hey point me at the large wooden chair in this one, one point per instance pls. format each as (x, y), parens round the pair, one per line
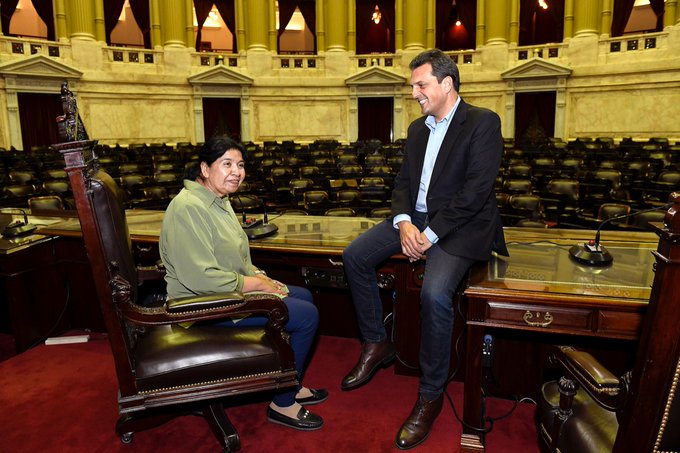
(163, 369)
(591, 410)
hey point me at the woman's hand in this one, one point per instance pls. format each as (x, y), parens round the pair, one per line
(265, 284)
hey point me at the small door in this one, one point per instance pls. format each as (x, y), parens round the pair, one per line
(222, 116)
(376, 119)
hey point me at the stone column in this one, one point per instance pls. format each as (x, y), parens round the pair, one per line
(513, 32)
(81, 19)
(398, 24)
(586, 17)
(497, 21)
(351, 27)
(240, 25)
(60, 27)
(320, 26)
(256, 21)
(173, 23)
(568, 19)
(606, 24)
(415, 23)
(670, 14)
(99, 21)
(480, 36)
(190, 38)
(155, 24)
(335, 21)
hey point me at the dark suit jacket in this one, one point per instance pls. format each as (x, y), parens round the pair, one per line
(461, 201)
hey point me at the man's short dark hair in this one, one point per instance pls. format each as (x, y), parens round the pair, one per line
(442, 65)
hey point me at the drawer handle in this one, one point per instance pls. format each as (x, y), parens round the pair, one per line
(547, 317)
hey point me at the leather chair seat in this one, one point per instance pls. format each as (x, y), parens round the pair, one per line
(591, 429)
(174, 356)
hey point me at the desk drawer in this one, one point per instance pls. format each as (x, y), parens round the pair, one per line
(538, 316)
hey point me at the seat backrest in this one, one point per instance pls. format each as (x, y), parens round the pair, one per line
(107, 242)
(49, 202)
(609, 210)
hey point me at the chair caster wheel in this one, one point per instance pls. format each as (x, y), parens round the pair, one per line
(126, 438)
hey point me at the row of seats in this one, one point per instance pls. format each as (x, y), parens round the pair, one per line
(567, 182)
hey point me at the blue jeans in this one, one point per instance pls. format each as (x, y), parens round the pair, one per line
(443, 274)
(303, 320)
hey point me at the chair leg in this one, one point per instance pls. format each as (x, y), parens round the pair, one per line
(567, 388)
(221, 427)
(129, 424)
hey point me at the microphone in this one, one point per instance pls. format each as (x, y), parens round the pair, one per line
(594, 254)
(245, 221)
(263, 228)
(18, 228)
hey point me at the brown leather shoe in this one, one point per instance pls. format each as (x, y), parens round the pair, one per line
(417, 426)
(373, 355)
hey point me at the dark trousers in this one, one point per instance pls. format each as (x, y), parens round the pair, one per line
(443, 274)
(303, 320)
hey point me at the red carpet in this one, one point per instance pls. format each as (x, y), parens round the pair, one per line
(63, 398)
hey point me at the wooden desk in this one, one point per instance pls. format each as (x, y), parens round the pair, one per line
(539, 290)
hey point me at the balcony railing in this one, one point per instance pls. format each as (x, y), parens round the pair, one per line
(28, 47)
(134, 55)
(215, 58)
(633, 43)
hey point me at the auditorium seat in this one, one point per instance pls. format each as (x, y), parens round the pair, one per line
(21, 176)
(517, 186)
(55, 173)
(246, 203)
(340, 212)
(531, 223)
(46, 202)
(350, 171)
(316, 202)
(560, 199)
(380, 213)
(609, 210)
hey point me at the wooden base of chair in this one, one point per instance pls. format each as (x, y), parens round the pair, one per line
(214, 414)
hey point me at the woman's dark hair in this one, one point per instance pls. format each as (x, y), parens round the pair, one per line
(442, 65)
(212, 150)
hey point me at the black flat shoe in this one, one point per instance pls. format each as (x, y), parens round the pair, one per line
(318, 396)
(305, 421)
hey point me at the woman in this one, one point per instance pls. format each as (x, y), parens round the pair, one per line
(205, 251)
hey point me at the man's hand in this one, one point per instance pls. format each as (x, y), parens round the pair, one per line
(414, 244)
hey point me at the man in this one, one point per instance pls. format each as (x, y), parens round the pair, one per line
(443, 207)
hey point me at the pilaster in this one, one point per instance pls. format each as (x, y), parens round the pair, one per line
(606, 25)
(568, 19)
(60, 24)
(99, 23)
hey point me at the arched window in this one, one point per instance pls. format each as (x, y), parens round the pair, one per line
(296, 26)
(375, 26)
(541, 21)
(456, 24)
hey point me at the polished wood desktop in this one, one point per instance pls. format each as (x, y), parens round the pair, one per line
(541, 291)
(536, 294)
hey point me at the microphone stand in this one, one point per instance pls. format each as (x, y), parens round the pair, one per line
(19, 228)
(594, 254)
(255, 228)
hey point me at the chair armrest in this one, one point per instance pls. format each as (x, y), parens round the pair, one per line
(193, 304)
(200, 308)
(605, 388)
